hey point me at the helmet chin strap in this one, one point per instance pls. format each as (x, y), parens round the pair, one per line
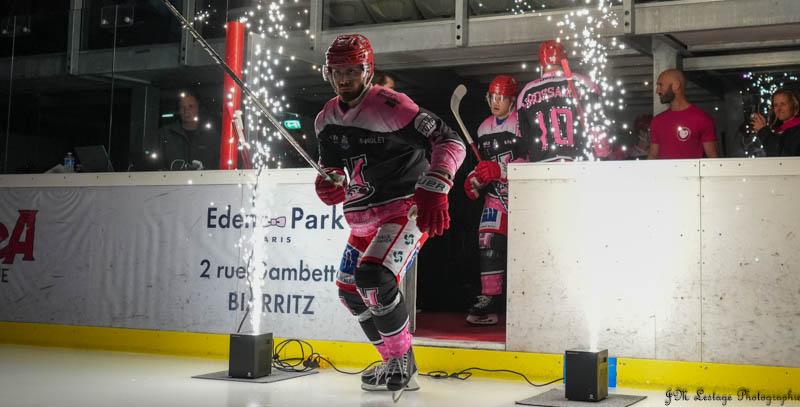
(508, 111)
(363, 92)
(510, 108)
(367, 85)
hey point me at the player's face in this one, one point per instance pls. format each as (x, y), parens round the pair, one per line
(500, 105)
(782, 107)
(664, 90)
(348, 81)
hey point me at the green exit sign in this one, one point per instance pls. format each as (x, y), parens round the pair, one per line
(292, 124)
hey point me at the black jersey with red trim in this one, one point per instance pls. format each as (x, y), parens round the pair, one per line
(382, 144)
(548, 116)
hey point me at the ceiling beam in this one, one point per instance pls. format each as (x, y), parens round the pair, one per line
(743, 61)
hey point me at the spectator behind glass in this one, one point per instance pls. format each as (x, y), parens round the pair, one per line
(188, 143)
(683, 130)
(384, 79)
(641, 139)
(781, 138)
(634, 145)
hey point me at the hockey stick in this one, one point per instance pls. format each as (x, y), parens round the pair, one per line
(221, 63)
(238, 125)
(455, 103)
(576, 97)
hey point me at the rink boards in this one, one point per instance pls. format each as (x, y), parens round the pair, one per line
(167, 252)
(671, 260)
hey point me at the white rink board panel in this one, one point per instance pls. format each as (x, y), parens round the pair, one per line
(605, 254)
(164, 255)
(680, 260)
(751, 262)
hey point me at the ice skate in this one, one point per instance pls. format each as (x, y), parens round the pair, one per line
(484, 312)
(374, 379)
(401, 374)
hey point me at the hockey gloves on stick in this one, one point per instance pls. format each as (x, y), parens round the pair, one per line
(431, 199)
(472, 186)
(488, 171)
(328, 192)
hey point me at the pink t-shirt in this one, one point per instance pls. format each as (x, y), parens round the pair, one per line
(682, 134)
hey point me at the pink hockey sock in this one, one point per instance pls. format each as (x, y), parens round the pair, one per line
(384, 351)
(397, 345)
(492, 284)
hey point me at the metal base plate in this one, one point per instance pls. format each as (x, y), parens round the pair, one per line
(275, 376)
(556, 398)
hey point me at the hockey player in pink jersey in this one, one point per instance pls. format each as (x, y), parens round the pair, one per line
(375, 140)
(549, 113)
(498, 144)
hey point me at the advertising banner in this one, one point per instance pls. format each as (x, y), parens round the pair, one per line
(173, 258)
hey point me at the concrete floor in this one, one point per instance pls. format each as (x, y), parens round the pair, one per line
(32, 376)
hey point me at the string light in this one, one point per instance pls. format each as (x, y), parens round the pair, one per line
(762, 86)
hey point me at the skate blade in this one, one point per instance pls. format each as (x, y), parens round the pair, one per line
(411, 383)
(478, 320)
(397, 394)
(411, 386)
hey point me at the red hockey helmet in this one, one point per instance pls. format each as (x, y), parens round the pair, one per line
(551, 52)
(503, 85)
(349, 49)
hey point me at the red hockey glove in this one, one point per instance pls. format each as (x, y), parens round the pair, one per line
(488, 171)
(431, 199)
(328, 192)
(472, 186)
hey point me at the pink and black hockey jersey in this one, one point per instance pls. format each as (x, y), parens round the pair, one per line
(548, 116)
(499, 140)
(382, 144)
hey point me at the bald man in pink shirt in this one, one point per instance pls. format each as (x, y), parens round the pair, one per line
(684, 130)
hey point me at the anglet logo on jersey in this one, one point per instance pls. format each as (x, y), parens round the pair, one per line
(372, 140)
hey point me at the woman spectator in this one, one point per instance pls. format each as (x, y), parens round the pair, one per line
(781, 137)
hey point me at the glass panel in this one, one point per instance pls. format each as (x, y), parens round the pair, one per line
(138, 22)
(36, 27)
(346, 13)
(189, 124)
(493, 7)
(215, 13)
(28, 29)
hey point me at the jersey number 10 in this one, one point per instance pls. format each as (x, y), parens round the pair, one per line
(561, 122)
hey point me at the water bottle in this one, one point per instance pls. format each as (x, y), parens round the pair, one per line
(69, 162)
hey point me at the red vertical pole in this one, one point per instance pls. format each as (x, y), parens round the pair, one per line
(231, 95)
